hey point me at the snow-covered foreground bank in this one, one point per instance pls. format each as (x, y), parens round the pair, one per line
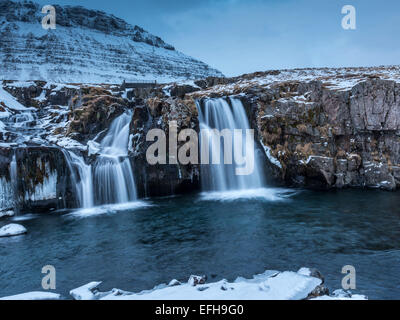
(34, 295)
(270, 285)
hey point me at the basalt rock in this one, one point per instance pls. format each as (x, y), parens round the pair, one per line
(169, 178)
(42, 180)
(327, 138)
(92, 111)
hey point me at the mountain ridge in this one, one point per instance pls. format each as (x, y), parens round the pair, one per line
(87, 46)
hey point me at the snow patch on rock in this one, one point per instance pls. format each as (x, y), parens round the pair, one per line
(12, 229)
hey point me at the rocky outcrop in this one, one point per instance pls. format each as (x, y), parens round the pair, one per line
(162, 179)
(326, 138)
(40, 181)
(92, 111)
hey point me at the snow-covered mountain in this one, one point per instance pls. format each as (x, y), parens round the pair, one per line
(86, 46)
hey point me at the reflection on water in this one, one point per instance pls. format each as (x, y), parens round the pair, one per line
(140, 247)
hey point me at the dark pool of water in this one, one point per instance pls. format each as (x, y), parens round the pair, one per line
(179, 236)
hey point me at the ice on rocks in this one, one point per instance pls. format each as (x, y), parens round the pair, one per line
(7, 213)
(87, 292)
(174, 282)
(12, 230)
(196, 280)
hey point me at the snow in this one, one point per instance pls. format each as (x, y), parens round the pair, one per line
(311, 158)
(271, 285)
(7, 213)
(338, 79)
(67, 143)
(86, 292)
(97, 57)
(272, 159)
(353, 297)
(93, 147)
(34, 295)
(304, 271)
(341, 294)
(12, 230)
(42, 96)
(22, 84)
(10, 101)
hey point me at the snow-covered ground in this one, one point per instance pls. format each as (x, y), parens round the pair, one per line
(270, 285)
(34, 295)
(9, 101)
(340, 79)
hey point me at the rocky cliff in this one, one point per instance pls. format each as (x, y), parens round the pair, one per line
(319, 128)
(87, 46)
(325, 128)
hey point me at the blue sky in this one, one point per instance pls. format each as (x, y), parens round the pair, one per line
(242, 36)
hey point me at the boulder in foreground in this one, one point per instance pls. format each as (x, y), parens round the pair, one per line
(12, 230)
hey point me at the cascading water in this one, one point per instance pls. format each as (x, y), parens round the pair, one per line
(113, 176)
(14, 181)
(219, 114)
(110, 179)
(84, 185)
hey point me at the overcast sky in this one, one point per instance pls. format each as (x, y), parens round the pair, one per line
(242, 36)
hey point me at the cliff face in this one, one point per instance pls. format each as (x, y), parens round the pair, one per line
(320, 128)
(326, 128)
(325, 138)
(87, 46)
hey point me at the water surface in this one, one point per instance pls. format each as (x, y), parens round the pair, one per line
(137, 247)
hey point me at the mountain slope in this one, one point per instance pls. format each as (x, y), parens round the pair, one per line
(86, 46)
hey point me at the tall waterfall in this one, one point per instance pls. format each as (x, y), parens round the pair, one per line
(219, 114)
(109, 180)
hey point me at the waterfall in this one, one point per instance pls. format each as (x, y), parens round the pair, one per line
(110, 179)
(14, 179)
(83, 185)
(113, 176)
(220, 114)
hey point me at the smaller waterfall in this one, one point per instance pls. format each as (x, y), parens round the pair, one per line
(83, 186)
(14, 182)
(113, 175)
(110, 179)
(221, 115)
